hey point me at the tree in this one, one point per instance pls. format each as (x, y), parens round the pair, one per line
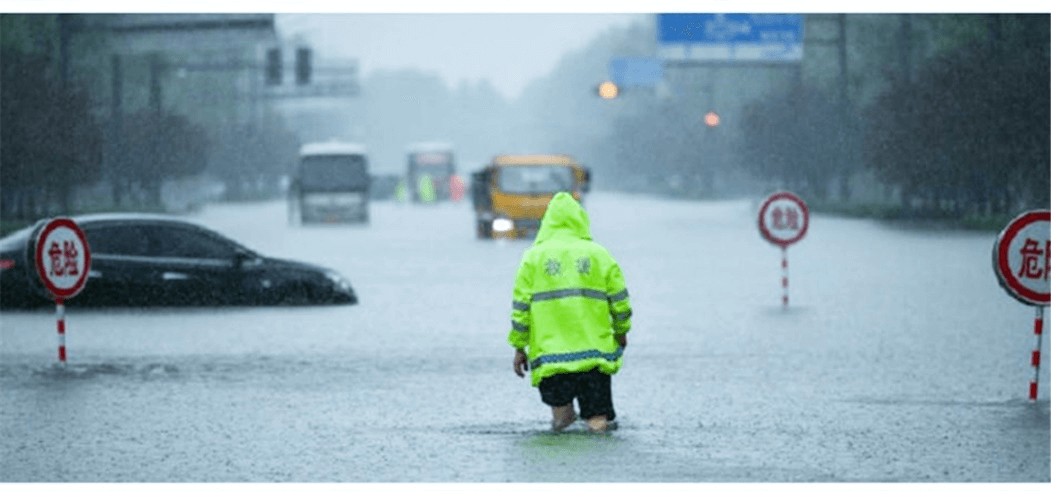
(561, 112)
(243, 157)
(800, 137)
(972, 128)
(162, 147)
(50, 139)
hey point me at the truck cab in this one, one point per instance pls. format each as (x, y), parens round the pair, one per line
(511, 193)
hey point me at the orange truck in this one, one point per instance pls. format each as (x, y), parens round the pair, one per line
(511, 193)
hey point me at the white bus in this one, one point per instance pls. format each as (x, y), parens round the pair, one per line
(330, 183)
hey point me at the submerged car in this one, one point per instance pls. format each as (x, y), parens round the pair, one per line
(146, 260)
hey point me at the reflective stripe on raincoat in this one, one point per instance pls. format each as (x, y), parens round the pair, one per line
(570, 299)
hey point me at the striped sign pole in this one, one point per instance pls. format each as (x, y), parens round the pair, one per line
(60, 309)
(784, 277)
(1022, 262)
(1038, 329)
(62, 260)
(783, 221)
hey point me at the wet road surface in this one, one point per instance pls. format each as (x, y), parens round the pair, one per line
(899, 359)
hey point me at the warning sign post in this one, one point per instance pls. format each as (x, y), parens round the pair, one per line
(1022, 261)
(63, 260)
(783, 221)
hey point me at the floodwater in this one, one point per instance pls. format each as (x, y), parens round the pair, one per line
(899, 359)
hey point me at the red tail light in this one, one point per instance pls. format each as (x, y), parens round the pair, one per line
(7, 264)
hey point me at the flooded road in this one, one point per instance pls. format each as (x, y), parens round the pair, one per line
(899, 359)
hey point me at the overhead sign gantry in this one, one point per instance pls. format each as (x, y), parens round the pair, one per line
(730, 37)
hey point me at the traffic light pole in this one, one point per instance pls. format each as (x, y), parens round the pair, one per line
(308, 89)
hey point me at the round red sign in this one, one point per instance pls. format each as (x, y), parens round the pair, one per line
(1022, 257)
(62, 257)
(783, 218)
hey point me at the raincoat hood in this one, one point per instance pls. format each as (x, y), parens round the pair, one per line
(564, 216)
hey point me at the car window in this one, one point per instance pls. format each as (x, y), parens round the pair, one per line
(122, 240)
(175, 241)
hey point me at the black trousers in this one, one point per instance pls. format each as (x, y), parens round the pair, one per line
(590, 389)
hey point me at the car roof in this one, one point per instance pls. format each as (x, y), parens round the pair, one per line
(139, 218)
(89, 219)
(135, 217)
(97, 218)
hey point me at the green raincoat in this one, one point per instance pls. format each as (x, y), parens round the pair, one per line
(570, 299)
(426, 189)
(399, 191)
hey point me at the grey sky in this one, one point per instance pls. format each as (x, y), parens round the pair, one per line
(508, 49)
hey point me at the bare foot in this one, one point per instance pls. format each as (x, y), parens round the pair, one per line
(562, 417)
(560, 425)
(598, 424)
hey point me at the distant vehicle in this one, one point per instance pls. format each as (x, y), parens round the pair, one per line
(330, 184)
(383, 186)
(435, 160)
(147, 260)
(511, 194)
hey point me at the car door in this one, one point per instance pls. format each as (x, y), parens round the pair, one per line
(197, 267)
(122, 270)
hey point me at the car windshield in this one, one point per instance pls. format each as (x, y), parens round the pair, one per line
(333, 173)
(536, 179)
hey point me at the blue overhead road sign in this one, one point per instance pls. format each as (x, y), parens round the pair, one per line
(636, 72)
(729, 28)
(730, 37)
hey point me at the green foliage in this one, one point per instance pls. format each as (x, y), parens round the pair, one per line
(243, 157)
(55, 131)
(162, 146)
(972, 128)
(49, 137)
(802, 138)
(33, 33)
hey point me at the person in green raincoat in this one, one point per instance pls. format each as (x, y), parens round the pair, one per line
(570, 317)
(426, 189)
(399, 191)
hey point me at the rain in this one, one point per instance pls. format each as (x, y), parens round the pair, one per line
(808, 210)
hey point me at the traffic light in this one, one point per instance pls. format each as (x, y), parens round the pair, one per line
(273, 66)
(303, 66)
(608, 90)
(711, 118)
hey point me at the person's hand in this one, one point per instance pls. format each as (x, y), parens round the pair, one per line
(622, 340)
(521, 363)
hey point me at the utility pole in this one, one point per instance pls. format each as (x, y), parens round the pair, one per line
(64, 34)
(844, 106)
(156, 109)
(841, 49)
(65, 31)
(116, 153)
(714, 143)
(905, 47)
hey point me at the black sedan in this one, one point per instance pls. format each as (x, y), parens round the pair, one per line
(146, 260)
